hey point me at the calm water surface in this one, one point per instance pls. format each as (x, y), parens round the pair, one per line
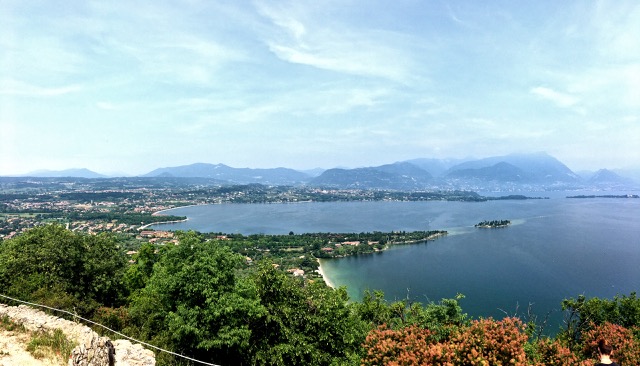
(554, 249)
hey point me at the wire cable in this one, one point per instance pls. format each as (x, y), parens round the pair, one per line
(109, 329)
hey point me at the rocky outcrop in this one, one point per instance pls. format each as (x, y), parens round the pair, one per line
(92, 349)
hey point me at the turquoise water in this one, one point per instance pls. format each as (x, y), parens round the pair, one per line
(556, 248)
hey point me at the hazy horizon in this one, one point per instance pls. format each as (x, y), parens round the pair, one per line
(633, 173)
(127, 88)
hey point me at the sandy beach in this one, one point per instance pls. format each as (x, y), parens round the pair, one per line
(161, 222)
(161, 212)
(324, 276)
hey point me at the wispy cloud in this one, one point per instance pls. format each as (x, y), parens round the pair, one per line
(19, 88)
(617, 29)
(320, 43)
(560, 99)
(307, 78)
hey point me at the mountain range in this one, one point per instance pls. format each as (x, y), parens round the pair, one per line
(508, 172)
(275, 176)
(76, 173)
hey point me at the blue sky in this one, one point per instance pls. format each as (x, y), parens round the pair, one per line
(130, 86)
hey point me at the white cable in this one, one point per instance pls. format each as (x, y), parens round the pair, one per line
(109, 329)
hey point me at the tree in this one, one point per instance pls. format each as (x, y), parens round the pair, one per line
(138, 274)
(306, 323)
(54, 266)
(194, 303)
(583, 314)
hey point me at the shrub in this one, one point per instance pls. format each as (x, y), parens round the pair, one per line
(491, 342)
(406, 346)
(626, 350)
(483, 342)
(553, 352)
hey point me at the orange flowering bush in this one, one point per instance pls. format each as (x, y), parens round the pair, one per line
(491, 342)
(626, 350)
(484, 342)
(552, 352)
(405, 346)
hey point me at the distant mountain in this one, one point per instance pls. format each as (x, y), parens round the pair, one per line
(406, 170)
(396, 176)
(527, 170)
(538, 168)
(435, 167)
(633, 174)
(500, 172)
(609, 178)
(275, 176)
(361, 178)
(537, 171)
(313, 172)
(75, 173)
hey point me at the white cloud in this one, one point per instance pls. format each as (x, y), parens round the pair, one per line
(107, 106)
(617, 29)
(560, 99)
(187, 58)
(320, 43)
(19, 88)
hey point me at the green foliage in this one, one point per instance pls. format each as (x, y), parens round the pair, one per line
(7, 324)
(582, 314)
(138, 274)
(493, 223)
(439, 317)
(194, 304)
(374, 309)
(41, 344)
(113, 318)
(200, 298)
(305, 324)
(56, 343)
(58, 267)
(548, 351)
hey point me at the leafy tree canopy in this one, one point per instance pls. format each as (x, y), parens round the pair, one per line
(58, 267)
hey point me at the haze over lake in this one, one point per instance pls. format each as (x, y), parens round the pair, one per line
(554, 249)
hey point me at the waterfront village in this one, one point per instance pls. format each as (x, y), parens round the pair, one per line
(127, 209)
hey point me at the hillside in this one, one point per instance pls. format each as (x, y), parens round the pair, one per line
(534, 168)
(77, 173)
(535, 171)
(276, 176)
(398, 176)
(523, 171)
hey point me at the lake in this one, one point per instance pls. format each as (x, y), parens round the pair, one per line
(555, 248)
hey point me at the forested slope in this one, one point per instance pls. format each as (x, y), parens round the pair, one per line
(203, 299)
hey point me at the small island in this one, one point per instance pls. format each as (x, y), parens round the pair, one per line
(606, 196)
(493, 224)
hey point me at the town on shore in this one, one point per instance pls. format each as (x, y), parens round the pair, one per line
(129, 207)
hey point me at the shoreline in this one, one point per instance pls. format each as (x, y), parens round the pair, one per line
(159, 213)
(162, 222)
(323, 275)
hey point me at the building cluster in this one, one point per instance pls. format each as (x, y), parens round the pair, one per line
(157, 236)
(94, 228)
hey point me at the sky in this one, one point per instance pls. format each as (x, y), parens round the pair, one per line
(125, 87)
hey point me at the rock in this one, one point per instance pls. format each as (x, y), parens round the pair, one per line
(93, 350)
